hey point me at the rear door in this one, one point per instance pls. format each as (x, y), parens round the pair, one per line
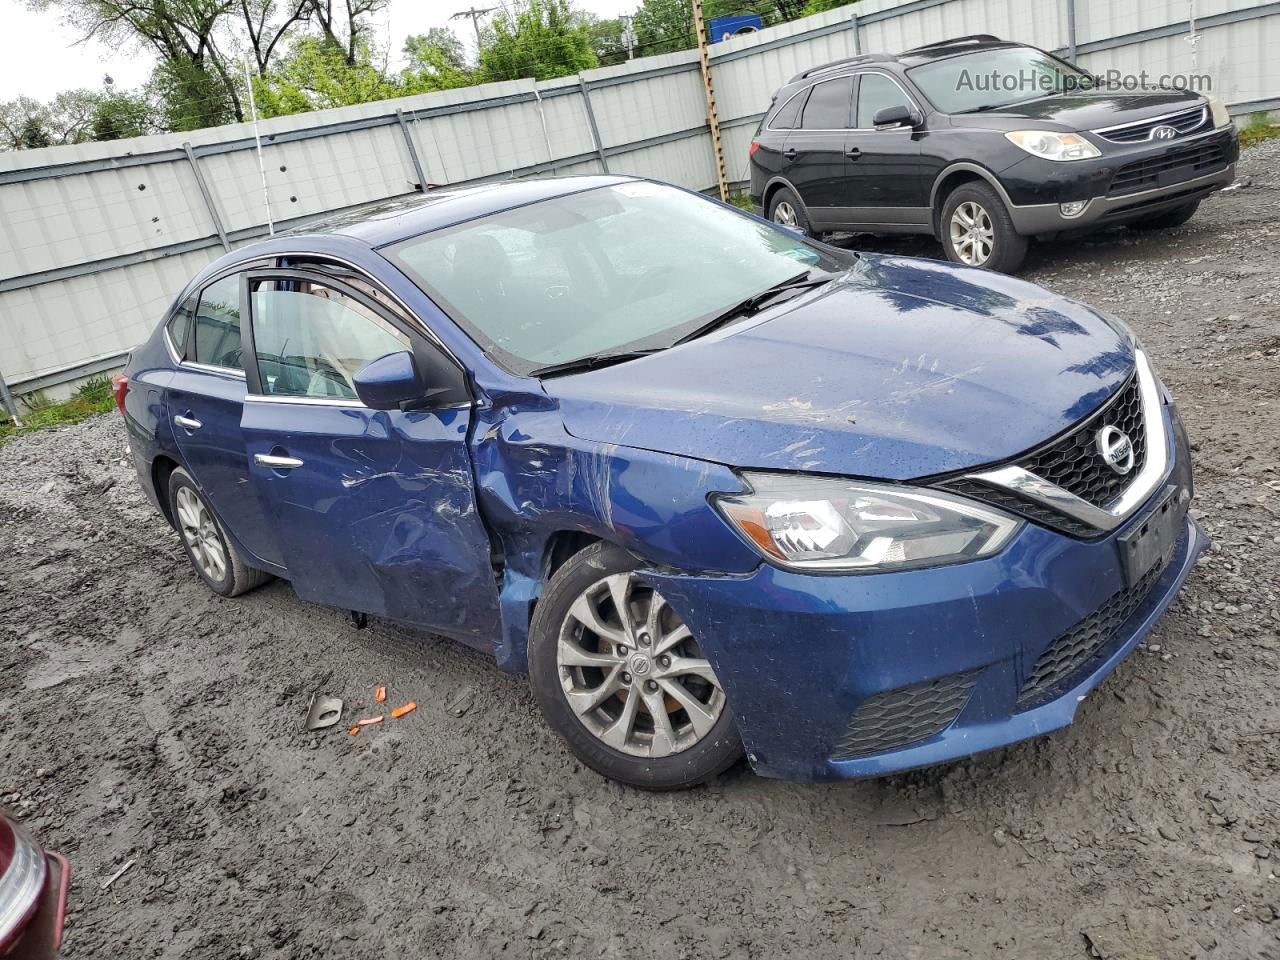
(204, 402)
(815, 150)
(375, 509)
(885, 184)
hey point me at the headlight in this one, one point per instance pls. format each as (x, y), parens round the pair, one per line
(1048, 145)
(1218, 110)
(819, 523)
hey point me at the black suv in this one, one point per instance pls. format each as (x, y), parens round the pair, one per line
(982, 144)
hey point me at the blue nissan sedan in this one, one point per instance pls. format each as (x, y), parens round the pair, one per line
(715, 487)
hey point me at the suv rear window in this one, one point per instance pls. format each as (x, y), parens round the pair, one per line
(789, 115)
(829, 105)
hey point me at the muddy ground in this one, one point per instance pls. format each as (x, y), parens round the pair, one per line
(148, 721)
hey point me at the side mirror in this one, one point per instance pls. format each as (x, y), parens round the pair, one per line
(897, 116)
(388, 382)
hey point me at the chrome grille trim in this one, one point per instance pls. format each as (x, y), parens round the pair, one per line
(1027, 484)
(1139, 131)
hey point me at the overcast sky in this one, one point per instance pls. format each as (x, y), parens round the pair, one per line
(39, 57)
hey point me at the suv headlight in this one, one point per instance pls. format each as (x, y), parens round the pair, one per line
(1218, 110)
(1048, 145)
(821, 523)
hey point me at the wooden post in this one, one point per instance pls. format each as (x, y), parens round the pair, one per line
(705, 62)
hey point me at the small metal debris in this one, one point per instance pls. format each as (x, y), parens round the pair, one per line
(462, 702)
(117, 875)
(323, 712)
(1239, 184)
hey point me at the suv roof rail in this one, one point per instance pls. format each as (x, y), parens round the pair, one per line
(953, 42)
(846, 62)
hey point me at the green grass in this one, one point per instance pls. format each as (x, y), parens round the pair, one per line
(741, 200)
(92, 396)
(1259, 128)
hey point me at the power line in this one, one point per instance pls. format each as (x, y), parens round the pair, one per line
(474, 15)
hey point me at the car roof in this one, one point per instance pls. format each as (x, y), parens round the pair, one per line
(940, 50)
(379, 224)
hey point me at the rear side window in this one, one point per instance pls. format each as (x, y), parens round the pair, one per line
(789, 115)
(180, 325)
(217, 324)
(875, 93)
(310, 339)
(829, 105)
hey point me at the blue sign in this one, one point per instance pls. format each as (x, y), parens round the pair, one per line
(722, 28)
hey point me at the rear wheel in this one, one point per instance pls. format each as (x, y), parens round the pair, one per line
(785, 209)
(978, 232)
(208, 547)
(623, 680)
(1169, 219)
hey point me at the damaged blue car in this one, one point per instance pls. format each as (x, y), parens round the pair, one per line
(717, 488)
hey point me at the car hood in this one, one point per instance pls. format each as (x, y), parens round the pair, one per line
(1087, 109)
(902, 368)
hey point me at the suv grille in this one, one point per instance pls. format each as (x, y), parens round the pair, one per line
(1181, 163)
(1091, 637)
(907, 715)
(1185, 122)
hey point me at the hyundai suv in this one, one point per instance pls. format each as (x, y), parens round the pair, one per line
(983, 144)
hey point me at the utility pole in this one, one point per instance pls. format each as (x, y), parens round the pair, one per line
(474, 16)
(257, 139)
(628, 36)
(704, 61)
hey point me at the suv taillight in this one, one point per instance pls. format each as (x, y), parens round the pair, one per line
(751, 150)
(120, 390)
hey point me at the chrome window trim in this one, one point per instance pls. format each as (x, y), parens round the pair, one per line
(336, 402)
(202, 367)
(22, 882)
(1150, 477)
(804, 89)
(1204, 109)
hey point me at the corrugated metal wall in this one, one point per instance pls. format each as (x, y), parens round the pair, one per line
(96, 239)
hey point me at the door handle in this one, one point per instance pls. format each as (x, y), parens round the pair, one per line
(789, 153)
(187, 423)
(853, 153)
(276, 463)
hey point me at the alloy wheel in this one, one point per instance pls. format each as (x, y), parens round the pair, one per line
(785, 214)
(201, 535)
(973, 235)
(633, 673)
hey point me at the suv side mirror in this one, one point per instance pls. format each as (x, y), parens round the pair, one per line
(896, 116)
(388, 382)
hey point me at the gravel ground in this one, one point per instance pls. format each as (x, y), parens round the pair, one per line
(148, 721)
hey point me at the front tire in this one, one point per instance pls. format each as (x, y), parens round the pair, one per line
(785, 209)
(211, 552)
(977, 230)
(621, 678)
(1169, 219)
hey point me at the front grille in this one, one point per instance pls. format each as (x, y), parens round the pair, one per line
(1186, 122)
(897, 718)
(1073, 462)
(1009, 501)
(1091, 638)
(1175, 166)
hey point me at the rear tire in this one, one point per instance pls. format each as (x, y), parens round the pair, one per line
(1169, 219)
(977, 231)
(213, 556)
(785, 209)
(630, 693)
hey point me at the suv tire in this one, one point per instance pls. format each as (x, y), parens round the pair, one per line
(211, 552)
(786, 209)
(610, 725)
(976, 230)
(1169, 219)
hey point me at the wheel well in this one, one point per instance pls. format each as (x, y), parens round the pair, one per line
(161, 468)
(769, 191)
(563, 545)
(943, 190)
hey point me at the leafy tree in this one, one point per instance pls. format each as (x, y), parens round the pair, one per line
(538, 39)
(436, 50)
(605, 37)
(315, 75)
(191, 96)
(120, 115)
(27, 124)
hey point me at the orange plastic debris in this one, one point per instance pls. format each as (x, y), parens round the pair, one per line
(380, 694)
(399, 712)
(353, 731)
(364, 722)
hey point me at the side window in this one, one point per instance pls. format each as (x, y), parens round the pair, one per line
(311, 339)
(180, 324)
(789, 115)
(876, 92)
(217, 322)
(829, 105)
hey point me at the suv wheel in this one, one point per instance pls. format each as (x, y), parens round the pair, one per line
(621, 678)
(208, 547)
(786, 210)
(1170, 218)
(977, 230)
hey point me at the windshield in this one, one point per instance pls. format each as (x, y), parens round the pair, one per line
(988, 79)
(614, 269)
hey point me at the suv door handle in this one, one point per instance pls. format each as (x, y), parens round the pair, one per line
(789, 153)
(276, 463)
(187, 423)
(853, 153)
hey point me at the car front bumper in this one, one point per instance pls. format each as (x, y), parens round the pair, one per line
(835, 677)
